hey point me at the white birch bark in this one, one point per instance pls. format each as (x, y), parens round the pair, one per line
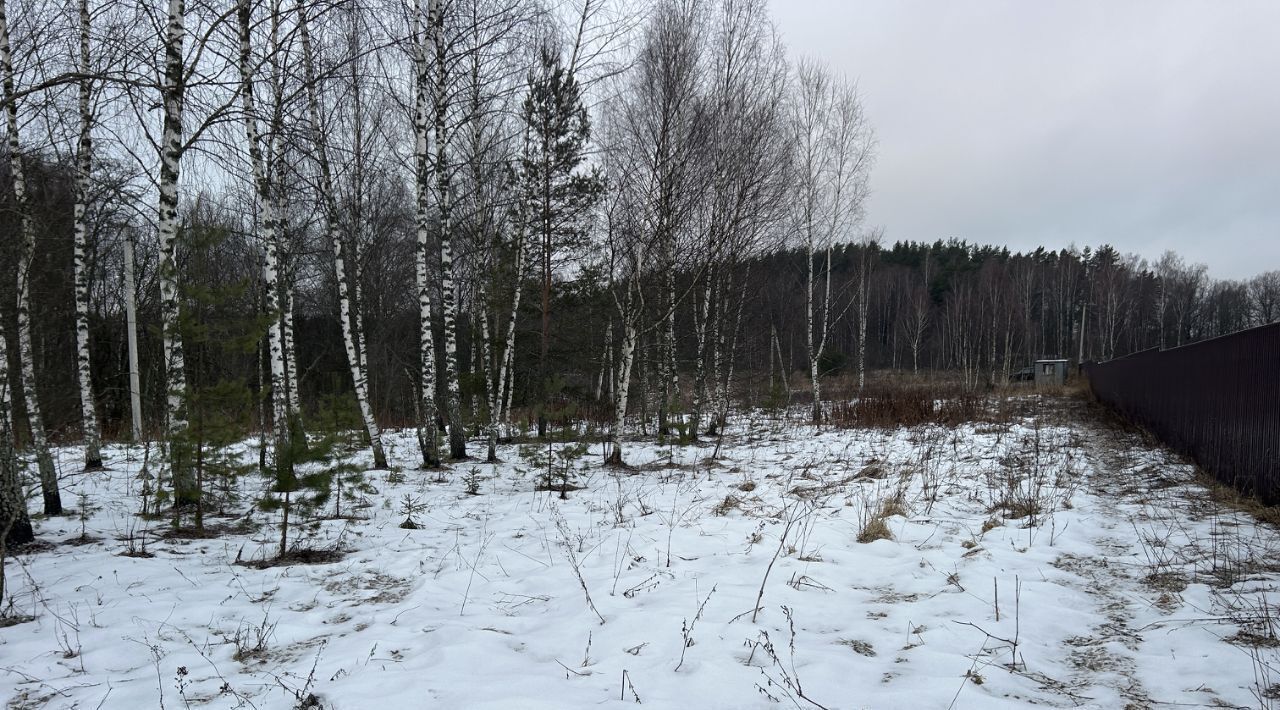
(84, 163)
(268, 224)
(701, 328)
(506, 374)
(171, 150)
(26, 358)
(722, 421)
(864, 305)
(448, 288)
(426, 343)
(330, 205)
(273, 164)
(817, 329)
(714, 389)
(490, 386)
(290, 349)
(622, 386)
(670, 371)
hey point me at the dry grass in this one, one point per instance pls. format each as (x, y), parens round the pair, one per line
(1230, 498)
(724, 507)
(875, 529)
(895, 504)
(1017, 508)
(888, 407)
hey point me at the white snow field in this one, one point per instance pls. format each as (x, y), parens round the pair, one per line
(1118, 583)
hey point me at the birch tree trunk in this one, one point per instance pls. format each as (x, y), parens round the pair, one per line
(15, 525)
(506, 375)
(817, 331)
(717, 344)
(273, 170)
(506, 371)
(490, 386)
(84, 163)
(330, 205)
(702, 328)
(26, 358)
(268, 231)
(728, 349)
(622, 387)
(131, 325)
(864, 308)
(427, 435)
(670, 372)
(171, 150)
(448, 289)
(286, 332)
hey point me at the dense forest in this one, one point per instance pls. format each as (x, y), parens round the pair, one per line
(482, 219)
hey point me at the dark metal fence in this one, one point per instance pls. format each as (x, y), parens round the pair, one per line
(1217, 401)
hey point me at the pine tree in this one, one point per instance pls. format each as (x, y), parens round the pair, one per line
(221, 329)
(556, 192)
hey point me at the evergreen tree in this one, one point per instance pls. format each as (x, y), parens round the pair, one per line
(556, 191)
(220, 327)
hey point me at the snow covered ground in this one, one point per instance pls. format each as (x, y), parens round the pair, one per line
(1052, 561)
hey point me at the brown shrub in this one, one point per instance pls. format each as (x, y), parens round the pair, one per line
(891, 406)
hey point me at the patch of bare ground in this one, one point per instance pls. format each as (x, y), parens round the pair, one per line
(14, 619)
(297, 557)
(385, 588)
(208, 531)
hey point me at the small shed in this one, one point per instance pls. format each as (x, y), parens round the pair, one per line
(1051, 372)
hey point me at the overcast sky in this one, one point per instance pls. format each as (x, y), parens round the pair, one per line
(1148, 125)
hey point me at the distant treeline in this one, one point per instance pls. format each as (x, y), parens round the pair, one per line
(980, 311)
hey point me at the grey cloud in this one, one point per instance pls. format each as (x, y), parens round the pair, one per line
(1147, 125)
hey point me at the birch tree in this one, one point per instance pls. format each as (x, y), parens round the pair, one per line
(651, 151)
(660, 132)
(487, 188)
(747, 162)
(171, 148)
(329, 205)
(868, 255)
(424, 37)
(442, 97)
(84, 166)
(26, 356)
(268, 228)
(835, 149)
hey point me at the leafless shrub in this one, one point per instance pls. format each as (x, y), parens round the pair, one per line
(686, 627)
(889, 407)
(252, 640)
(780, 678)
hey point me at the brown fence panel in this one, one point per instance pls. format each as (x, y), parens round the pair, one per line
(1217, 401)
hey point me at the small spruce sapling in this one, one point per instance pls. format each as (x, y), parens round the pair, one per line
(304, 473)
(472, 481)
(340, 417)
(221, 326)
(557, 466)
(410, 506)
